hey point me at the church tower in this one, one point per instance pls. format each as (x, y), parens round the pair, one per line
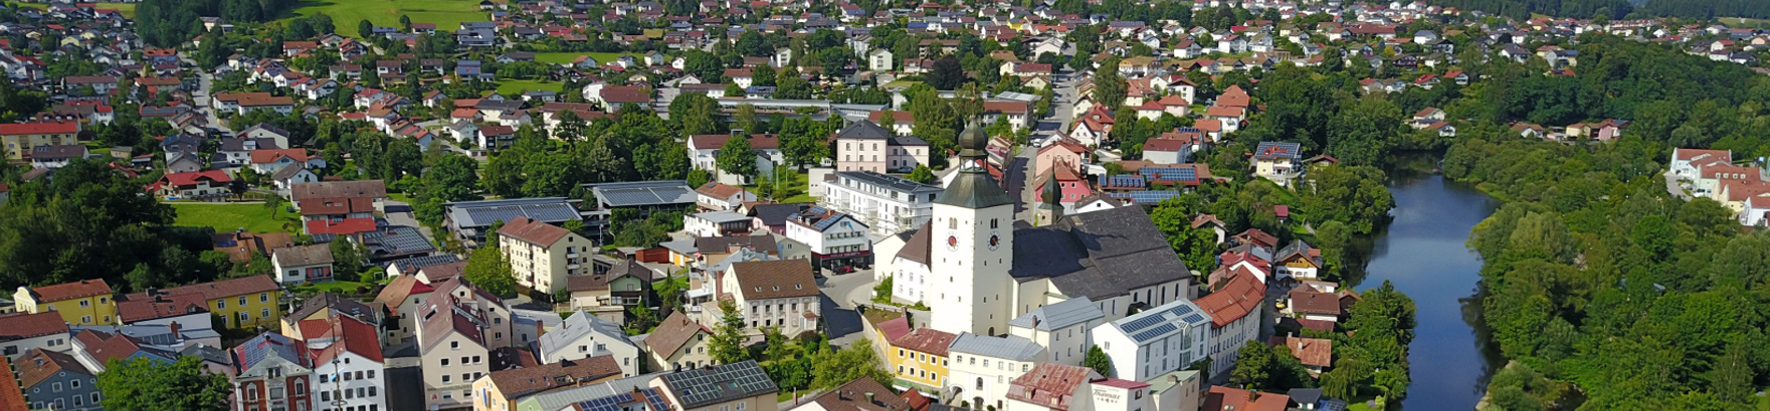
(969, 289)
(1051, 209)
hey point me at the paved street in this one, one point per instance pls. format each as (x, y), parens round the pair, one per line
(840, 292)
(204, 82)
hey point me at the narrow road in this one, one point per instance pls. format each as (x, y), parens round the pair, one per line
(201, 95)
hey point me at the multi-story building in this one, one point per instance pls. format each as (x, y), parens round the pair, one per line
(349, 371)
(242, 303)
(56, 381)
(583, 336)
(458, 326)
(736, 386)
(21, 138)
(920, 357)
(24, 332)
(1278, 161)
(612, 292)
(1156, 341)
(865, 146)
(837, 240)
(542, 255)
(779, 294)
(1053, 387)
(84, 302)
(679, 343)
(1235, 319)
(469, 220)
(884, 203)
(400, 300)
(981, 366)
(1061, 328)
(502, 390)
(271, 372)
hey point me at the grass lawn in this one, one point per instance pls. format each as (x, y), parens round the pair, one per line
(128, 9)
(38, 6)
(229, 217)
(447, 14)
(566, 57)
(335, 287)
(512, 88)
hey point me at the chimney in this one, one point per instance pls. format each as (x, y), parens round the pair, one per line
(174, 327)
(870, 398)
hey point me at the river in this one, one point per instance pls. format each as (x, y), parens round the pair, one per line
(1422, 253)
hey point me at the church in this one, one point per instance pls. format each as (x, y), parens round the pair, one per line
(976, 267)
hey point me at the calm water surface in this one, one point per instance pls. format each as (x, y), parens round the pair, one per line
(1422, 253)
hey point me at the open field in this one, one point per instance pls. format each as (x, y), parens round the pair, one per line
(511, 88)
(128, 9)
(228, 217)
(564, 57)
(447, 14)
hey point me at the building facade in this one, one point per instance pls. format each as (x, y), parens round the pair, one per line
(542, 255)
(884, 203)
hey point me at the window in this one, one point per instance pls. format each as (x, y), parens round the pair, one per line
(219, 304)
(242, 301)
(325, 395)
(265, 313)
(371, 373)
(264, 298)
(75, 384)
(445, 379)
(245, 316)
(454, 345)
(85, 303)
(55, 387)
(445, 362)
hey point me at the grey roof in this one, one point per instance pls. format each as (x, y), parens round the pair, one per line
(864, 129)
(720, 383)
(1163, 321)
(721, 216)
(1010, 347)
(643, 193)
(576, 327)
(1060, 315)
(410, 265)
(552, 210)
(1099, 254)
(396, 241)
(974, 189)
(776, 214)
(1300, 247)
(889, 182)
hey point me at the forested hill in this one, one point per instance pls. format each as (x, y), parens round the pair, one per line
(1616, 9)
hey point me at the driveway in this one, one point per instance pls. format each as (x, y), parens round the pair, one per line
(204, 81)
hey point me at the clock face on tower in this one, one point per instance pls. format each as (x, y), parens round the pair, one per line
(952, 242)
(994, 240)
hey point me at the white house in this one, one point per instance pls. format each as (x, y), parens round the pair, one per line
(583, 336)
(716, 224)
(1234, 311)
(980, 366)
(302, 264)
(25, 331)
(836, 239)
(879, 59)
(1156, 341)
(349, 370)
(722, 197)
(1688, 163)
(1061, 328)
(885, 203)
(781, 294)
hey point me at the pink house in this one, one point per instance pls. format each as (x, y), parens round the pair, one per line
(1066, 152)
(1071, 184)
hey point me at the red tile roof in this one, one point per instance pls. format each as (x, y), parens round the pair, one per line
(1222, 398)
(536, 232)
(1240, 296)
(69, 291)
(16, 129)
(350, 334)
(25, 325)
(221, 289)
(1311, 351)
(396, 291)
(926, 340)
(11, 397)
(272, 155)
(161, 306)
(341, 227)
(1234, 96)
(1049, 385)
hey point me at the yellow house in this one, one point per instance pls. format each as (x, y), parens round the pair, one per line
(85, 302)
(242, 303)
(920, 357)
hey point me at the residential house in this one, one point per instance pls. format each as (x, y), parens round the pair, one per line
(55, 156)
(920, 357)
(400, 300)
(23, 332)
(716, 196)
(1278, 161)
(1297, 261)
(1223, 398)
(971, 370)
(1062, 328)
(583, 336)
(864, 146)
(271, 372)
(502, 390)
(303, 264)
(887, 204)
(56, 381)
(611, 293)
(782, 294)
(542, 255)
(455, 328)
(84, 302)
(863, 394)
(1156, 341)
(241, 303)
(193, 185)
(837, 241)
(679, 343)
(1049, 386)
(349, 371)
(21, 139)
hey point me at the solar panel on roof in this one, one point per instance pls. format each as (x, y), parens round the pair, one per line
(1181, 310)
(1142, 323)
(1194, 318)
(1153, 332)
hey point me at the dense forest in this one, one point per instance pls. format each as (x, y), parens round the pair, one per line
(1616, 9)
(166, 23)
(1609, 292)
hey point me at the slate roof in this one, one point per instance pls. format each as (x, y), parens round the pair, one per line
(776, 214)
(1009, 347)
(597, 282)
(1060, 315)
(864, 129)
(574, 328)
(1098, 254)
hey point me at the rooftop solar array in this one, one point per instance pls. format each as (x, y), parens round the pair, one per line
(1125, 180)
(552, 210)
(719, 384)
(628, 197)
(1146, 196)
(1168, 173)
(617, 401)
(1161, 321)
